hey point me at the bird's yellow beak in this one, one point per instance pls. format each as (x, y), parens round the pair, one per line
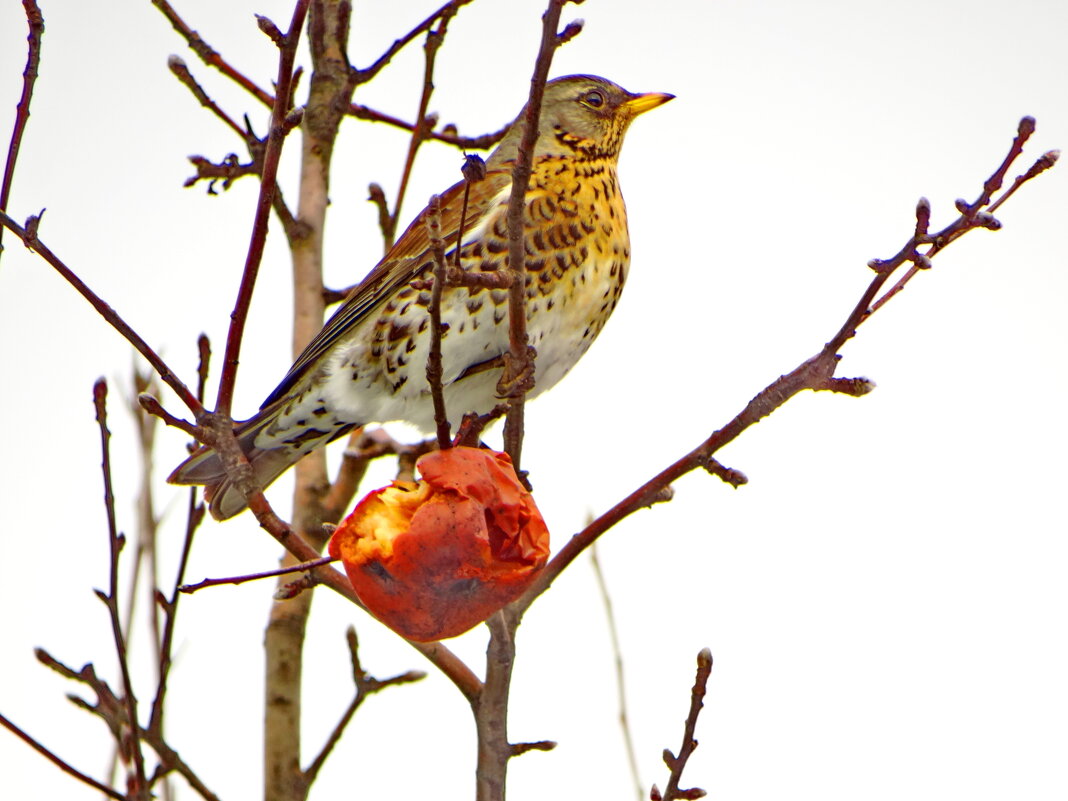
(639, 104)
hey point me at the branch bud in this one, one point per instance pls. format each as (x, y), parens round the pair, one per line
(293, 119)
(923, 217)
(570, 31)
(177, 65)
(1045, 161)
(271, 30)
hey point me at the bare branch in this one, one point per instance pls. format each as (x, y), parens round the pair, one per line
(365, 687)
(111, 598)
(194, 517)
(517, 378)
(111, 709)
(676, 764)
(621, 685)
(180, 70)
(60, 763)
(377, 195)
(281, 571)
(433, 359)
(208, 55)
(28, 235)
(271, 158)
(360, 76)
(434, 39)
(228, 170)
(153, 407)
(35, 20)
(447, 134)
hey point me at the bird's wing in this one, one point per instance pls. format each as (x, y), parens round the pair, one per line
(405, 260)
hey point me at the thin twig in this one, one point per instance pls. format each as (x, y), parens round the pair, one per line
(281, 571)
(272, 156)
(517, 377)
(474, 171)
(28, 235)
(180, 70)
(617, 652)
(60, 763)
(111, 709)
(146, 551)
(366, 74)
(208, 55)
(434, 39)
(173, 761)
(35, 21)
(365, 687)
(111, 598)
(433, 359)
(147, 524)
(377, 195)
(153, 407)
(194, 517)
(446, 135)
(676, 764)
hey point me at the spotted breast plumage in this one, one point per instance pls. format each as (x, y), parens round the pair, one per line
(368, 364)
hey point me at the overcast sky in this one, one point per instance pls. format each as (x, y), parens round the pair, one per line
(885, 601)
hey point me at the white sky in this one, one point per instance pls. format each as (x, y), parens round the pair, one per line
(885, 601)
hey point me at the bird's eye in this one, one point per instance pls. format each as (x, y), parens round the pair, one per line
(593, 99)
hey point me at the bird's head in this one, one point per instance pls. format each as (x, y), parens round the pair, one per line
(582, 116)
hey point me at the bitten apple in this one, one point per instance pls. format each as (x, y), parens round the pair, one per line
(434, 558)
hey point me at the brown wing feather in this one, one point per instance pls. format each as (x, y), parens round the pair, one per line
(402, 264)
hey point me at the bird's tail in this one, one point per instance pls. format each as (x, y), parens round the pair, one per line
(205, 467)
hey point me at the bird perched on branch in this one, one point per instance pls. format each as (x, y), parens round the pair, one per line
(368, 363)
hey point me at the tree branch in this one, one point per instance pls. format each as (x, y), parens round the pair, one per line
(35, 21)
(271, 158)
(617, 654)
(676, 764)
(139, 788)
(517, 378)
(28, 235)
(60, 763)
(208, 55)
(366, 686)
(434, 39)
(433, 360)
(368, 73)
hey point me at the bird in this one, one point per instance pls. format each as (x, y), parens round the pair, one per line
(368, 363)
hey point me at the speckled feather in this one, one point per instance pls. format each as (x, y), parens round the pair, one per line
(368, 364)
